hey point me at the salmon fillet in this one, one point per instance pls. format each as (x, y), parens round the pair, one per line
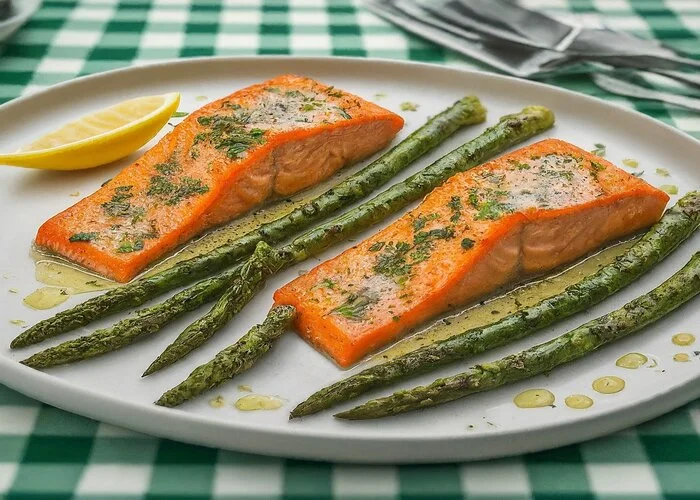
(522, 214)
(267, 140)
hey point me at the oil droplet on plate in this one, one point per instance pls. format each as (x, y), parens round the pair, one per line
(46, 297)
(534, 398)
(18, 322)
(254, 402)
(683, 339)
(245, 388)
(681, 357)
(632, 360)
(608, 385)
(578, 401)
(217, 402)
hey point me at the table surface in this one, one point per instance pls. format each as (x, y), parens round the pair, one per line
(48, 453)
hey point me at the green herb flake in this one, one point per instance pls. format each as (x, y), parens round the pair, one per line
(599, 149)
(343, 113)
(188, 187)
(629, 162)
(473, 198)
(441, 233)
(375, 247)
(169, 167)
(355, 306)
(273, 90)
(492, 210)
(379, 96)
(409, 106)
(467, 243)
(179, 114)
(127, 246)
(455, 204)
(663, 172)
(83, 237)
(228, 133)
(420, 221)
(669, 188)
(333, 93)
(328, 283)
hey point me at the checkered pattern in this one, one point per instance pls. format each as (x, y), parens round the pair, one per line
(46, 453)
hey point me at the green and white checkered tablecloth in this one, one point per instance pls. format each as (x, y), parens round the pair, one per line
(46, 453)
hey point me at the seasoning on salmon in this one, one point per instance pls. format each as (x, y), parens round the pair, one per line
(267, 140)
(522, 214)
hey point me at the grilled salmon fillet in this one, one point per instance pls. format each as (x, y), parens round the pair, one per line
(522, 214)
(267, 140)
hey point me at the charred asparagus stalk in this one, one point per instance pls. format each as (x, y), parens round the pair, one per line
(632, 317)
(233, 360)
(510, 130)
(677, 224)
(464, 112)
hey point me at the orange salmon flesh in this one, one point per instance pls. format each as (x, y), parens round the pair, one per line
(268, 140)
(520, 215)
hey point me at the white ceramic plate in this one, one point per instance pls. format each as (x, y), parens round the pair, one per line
(22, 11)
(111, 389)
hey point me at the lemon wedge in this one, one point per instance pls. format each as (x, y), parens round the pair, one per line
(98, 138)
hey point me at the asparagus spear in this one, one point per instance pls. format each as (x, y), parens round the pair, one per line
(510, 130)
(241, 279)
(632, 317)
(464, 112)
(233, 360)
(677, 225)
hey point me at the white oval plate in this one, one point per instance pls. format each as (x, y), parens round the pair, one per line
(111, 389)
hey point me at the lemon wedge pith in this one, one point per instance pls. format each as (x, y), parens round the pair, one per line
(98, 138)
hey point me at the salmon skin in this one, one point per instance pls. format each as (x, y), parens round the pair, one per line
(522, 214)
(267, 140)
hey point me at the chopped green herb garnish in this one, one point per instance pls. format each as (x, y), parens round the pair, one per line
(467, 243)
(169, 167)
(492, 210)
(160, 186)
(442, 233)
(83, 237)
(663, 172)
(127, 246)
(375, 247)
(379, 96)
(328, 283)
(455, 204)
(420, 221)
(355, 306)
(274, 90)
(629, 162)
(333, 93)
(343, 113)
(599, 149)
(669, 188)
(179, 114)
(188, 187)
(409, 106)
(228, 132)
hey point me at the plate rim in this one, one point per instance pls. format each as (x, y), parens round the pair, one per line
(105, 408)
